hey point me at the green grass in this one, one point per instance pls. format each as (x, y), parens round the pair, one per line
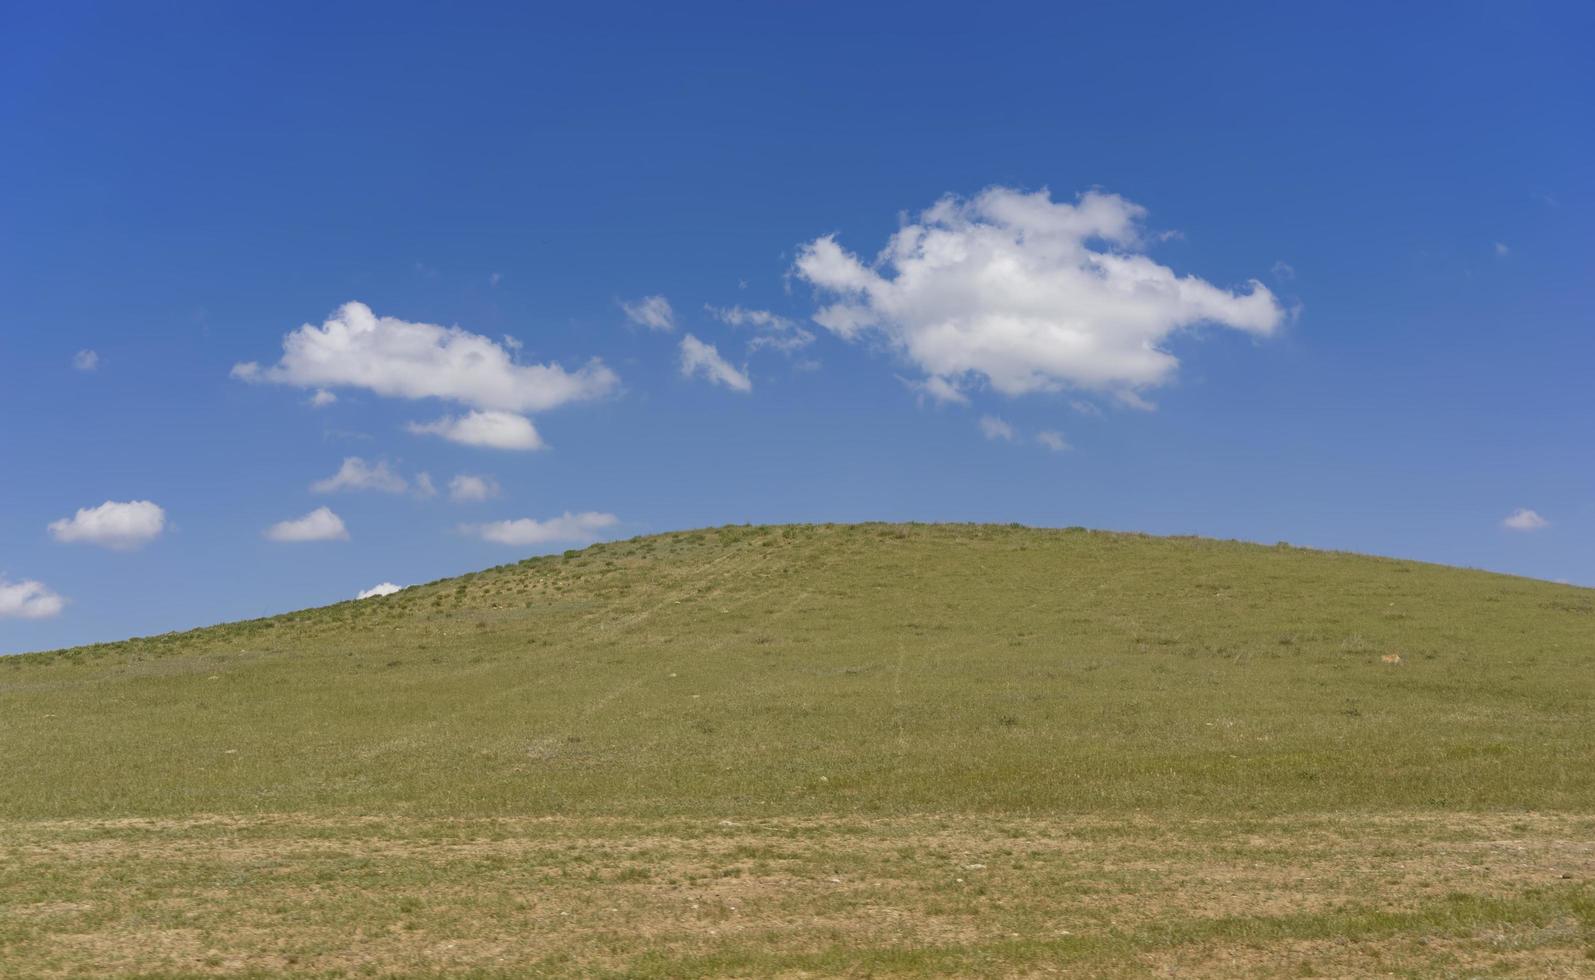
(880, 687)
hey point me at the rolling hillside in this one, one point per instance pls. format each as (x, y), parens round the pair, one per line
(804, 748)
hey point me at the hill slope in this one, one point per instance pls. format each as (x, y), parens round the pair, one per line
(825, 749)
(880, 669)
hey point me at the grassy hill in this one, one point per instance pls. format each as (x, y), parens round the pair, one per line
(872, 748)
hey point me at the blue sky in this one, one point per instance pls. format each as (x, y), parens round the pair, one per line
(1265, 273)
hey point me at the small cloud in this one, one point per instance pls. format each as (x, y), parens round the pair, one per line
(1131, 399)
(1053, 441)
(423, 485)
(495, 278)
(737, 316)
(1086, 408)
(568, 527)
(776, 332)
(1502, 250)
(357, 474)
(699, 358)
(939, 390)
(466, 488)
(376, 591)
(653, 312)
(995, 428)
(86, 360)
(399, 359)
(320, 524)
(122, 526)
(28, 600)
(491, 430)
(1524, 519)
(322, 398)
(1284, 271)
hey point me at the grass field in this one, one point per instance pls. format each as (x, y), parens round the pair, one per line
(818, 750)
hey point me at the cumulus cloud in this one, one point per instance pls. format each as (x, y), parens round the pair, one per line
(123, 526)
(699, 358)
(568, 527)
(28, 600)
(995, 428)
(466, 488)
(1053, 441)
(492, 430)
(1026, 293)
(320, 524)
(1524, 519)
(386, 588)
(399, 359)
(653, 312)
(86, 360)
(322, 398)
(357, 474)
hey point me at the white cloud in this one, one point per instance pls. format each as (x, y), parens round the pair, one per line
(1027, 293)
(86, 360)
(776, 332)
(653, 312)
(357, 474)
(1524, 519)
(938, 390)
(466, 488)
(386, 588)
(123, 526)
(1501, 249)
(322, 398)
(320, 524)
(1284, 270)
(738, 316)
(1085, 408)
(995, 428)
(699, 358)
(1053, 441)
(399, 359)
(28, 600)
(423, 485)
(492, 430)
(568, 527)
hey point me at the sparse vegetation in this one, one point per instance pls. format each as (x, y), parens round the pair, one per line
(887, 749)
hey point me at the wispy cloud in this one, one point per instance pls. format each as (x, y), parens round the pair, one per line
(701, 359)
(1053, 441)
(568, 527)
(995, 429)
(653, 312)
(467, 488)
(357, 474)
